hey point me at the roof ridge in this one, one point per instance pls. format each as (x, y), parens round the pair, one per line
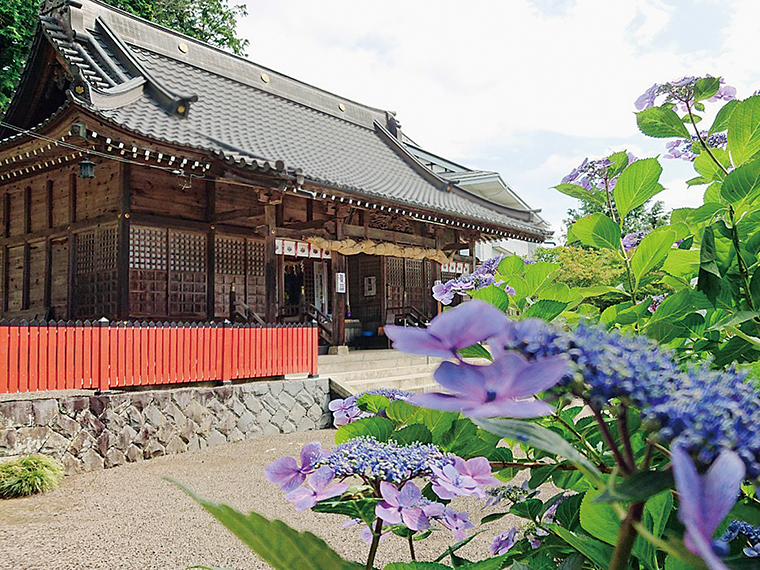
(144, 34)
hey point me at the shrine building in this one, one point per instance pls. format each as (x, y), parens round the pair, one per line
(145, 175)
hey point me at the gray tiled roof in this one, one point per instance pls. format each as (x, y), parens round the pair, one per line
(334, 142)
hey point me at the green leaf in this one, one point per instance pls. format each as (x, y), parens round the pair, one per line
(706, 212)
(619, 161)
(416, 566)
(278, 544)
(705, 88)
(720, 123)
(529, 509)
(597, 230)
(581, 193)
(652, 250)
(637, 184)
(412, 434)
(545, 309)
(401, 412)
(597, 290)
(661, 122)
(681, 263)
(573, 562)
(436, 421)
(379, 428)
(363, 509)
(598, 552)
(372, 403)
(709, 278)
(637, 487)
(538, 275)
(541, 438)
(475, 351)
(493, 295)
(742, 184)
(599, 519)
(754, 287)
(705, 165)
(658, 508)
(511, 266)
(734, 319)
(744, 130)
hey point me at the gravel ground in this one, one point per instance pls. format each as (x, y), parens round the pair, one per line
(129, 517)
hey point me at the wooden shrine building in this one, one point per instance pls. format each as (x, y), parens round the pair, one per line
(213, 173)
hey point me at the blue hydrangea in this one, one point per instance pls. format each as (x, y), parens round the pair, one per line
(390, 393)
(751, 533)
(376, 461)
(709, 411)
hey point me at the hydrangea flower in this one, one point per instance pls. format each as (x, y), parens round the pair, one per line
(286, 472)
(499, 389)
(456, 522)
(482, 277)
(504, 542)
(706, 499)
(346, 411)
(751, 533)
(450, 331)
(633, 239)
(684, 148)
(389, 461)
(656, 300)
(680, 93)
(318, 490)
(401, 506)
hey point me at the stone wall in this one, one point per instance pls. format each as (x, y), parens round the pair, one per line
(95, 432)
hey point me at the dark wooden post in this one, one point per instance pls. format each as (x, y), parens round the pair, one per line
(339, 299)
(270, 264)
(210, 259)
(123, 245)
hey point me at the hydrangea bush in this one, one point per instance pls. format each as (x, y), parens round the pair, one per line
(646, 416)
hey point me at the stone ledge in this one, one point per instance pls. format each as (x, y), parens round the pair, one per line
(87, 432)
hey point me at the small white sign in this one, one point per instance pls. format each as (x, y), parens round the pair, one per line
(302, 249)
(289, 247)
(370, 286)
(278, 247)
(316, 252)
(340, 282)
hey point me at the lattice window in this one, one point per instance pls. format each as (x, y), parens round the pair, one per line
(229, 261)
(229, 255)
(187, 274)
(147, 248)
(96, 279)
(148, 276)
(256, 293)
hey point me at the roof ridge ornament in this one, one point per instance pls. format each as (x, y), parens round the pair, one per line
(172, 102)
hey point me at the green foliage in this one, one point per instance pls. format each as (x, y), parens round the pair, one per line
(28, 476)
(211, 21)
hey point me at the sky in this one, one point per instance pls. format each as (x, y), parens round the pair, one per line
(527, 88)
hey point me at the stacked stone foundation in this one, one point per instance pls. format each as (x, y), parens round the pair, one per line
(89, 432)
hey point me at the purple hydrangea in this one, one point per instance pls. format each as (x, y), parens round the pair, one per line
(456, 522)
(401, 505)
(345, 411)
(656, 300)
(750, 533)
(286, 472)
(376, 461)
(504, 542)
(482, 277)
(684, 149)
(318, 489)
(633, 239)
(680, 93)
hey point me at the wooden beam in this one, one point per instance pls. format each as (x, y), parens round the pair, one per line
(387, 235)
(210, 251)
(338, 263)
(307, 225)
(59, 232)
(243, 213)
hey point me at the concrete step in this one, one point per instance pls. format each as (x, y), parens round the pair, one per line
(365, 355)
(408, 382)
(349, 376)
(401, 361)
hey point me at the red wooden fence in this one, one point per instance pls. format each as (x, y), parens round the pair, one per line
(63, 356)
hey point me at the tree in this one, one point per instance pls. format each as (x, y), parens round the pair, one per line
(211, 21)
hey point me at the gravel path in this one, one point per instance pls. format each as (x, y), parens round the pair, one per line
(129, 517)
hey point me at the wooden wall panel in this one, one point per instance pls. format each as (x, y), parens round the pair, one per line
(39, 213)
(61, 215)
(15, 279)
(37, 252)
(366, 308)
(100, 195)
(96, 279)
(187, 274)
(162, 194)
(16, 219)
(256, 286)
(59, 287)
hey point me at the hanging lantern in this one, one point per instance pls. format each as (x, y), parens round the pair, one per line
(87, 168)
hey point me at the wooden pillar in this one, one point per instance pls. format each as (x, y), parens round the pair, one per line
(123, 242)
(339, 299)
(270, 263)
(210, 260)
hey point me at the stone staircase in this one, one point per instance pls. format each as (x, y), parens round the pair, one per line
(361, 370)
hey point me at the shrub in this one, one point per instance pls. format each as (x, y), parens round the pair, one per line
(29, 475)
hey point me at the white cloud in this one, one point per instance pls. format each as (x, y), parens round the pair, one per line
(468, 78)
